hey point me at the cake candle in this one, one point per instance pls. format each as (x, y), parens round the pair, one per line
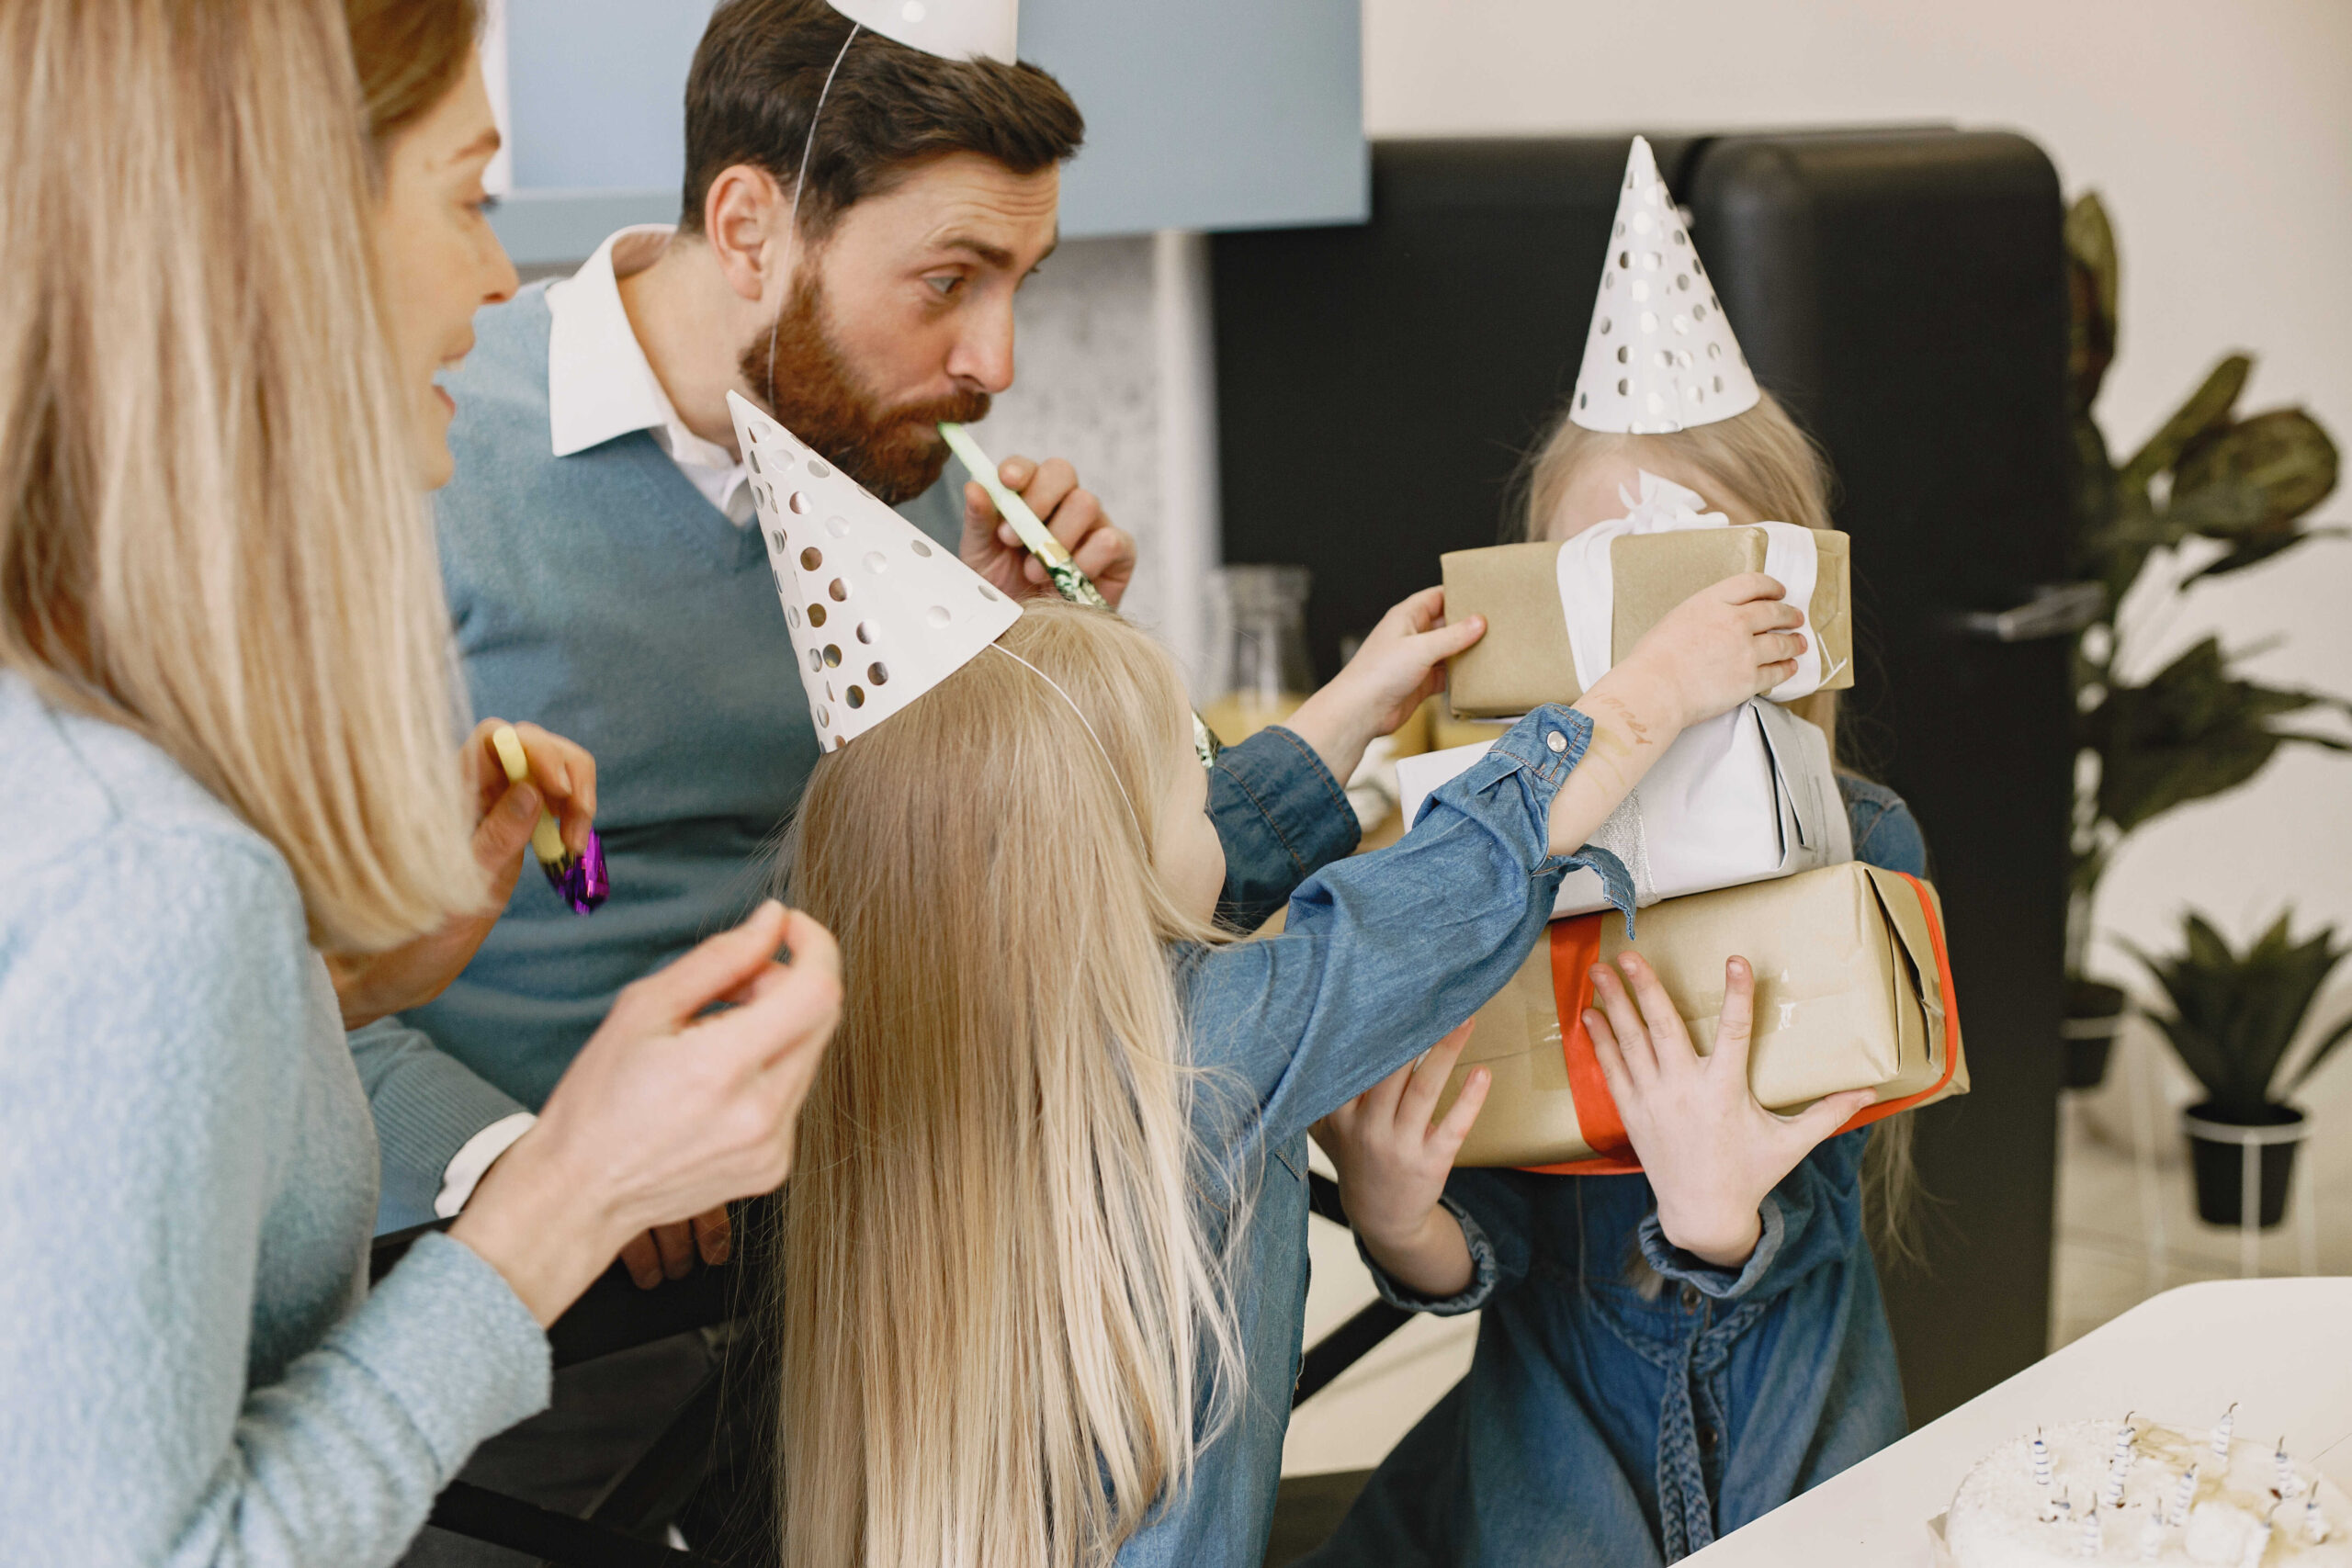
(2314, 1521)
(2040, 1460)
(2290, 1483)
(2182, 1493)
(2093, 1537)
(2125, 1436)
(2221, 1433)
(2151, 1536)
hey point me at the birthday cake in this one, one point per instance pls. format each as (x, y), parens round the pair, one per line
(2135, 1491)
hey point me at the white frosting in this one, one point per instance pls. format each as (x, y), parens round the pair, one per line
(2001, 1517)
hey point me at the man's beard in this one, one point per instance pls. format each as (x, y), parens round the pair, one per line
(897, 453)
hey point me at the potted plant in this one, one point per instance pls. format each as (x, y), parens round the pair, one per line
(2197, 726)
(2232, 1017)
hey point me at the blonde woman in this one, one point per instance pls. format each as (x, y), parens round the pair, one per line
(1640, 1386)
(1045, 1262)
(224, 722)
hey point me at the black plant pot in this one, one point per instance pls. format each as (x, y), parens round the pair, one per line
(2095, 1012)
(2219, 1145)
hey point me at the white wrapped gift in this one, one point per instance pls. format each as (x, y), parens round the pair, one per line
(1746, 797)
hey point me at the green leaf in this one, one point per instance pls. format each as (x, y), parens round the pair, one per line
(2206, 406)
(2319, 1055)
(2285, 455)
(2093, 276)
(2191, 731)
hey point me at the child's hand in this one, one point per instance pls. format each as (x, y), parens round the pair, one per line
(1400, 664)
(1726, 643)
(1393, 1165)
(1709, 1151)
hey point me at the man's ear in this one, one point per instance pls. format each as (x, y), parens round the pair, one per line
(744, 216)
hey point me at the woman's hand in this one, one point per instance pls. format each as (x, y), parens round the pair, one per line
(1730, 641)
(1400, 665)
(1392, 1163)
(563, 780)
(1709, 1151)
(671, 1109)
(1104, 553)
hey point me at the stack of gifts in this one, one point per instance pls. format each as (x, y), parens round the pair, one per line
(1737, 840)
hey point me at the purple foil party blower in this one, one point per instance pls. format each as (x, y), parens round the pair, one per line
(579, 881)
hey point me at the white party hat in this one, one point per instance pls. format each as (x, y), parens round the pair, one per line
(954, 30)
(1660, 355)
(879, 614)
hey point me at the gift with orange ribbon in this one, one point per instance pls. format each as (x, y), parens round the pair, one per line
(1853, 990)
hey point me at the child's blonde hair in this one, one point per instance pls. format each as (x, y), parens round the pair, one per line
(998, 1294)
(1763, 459)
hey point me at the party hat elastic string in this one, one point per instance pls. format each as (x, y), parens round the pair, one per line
(1091, 735)
(799, 183)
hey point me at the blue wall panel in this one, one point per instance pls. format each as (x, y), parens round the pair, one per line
(1200, 114)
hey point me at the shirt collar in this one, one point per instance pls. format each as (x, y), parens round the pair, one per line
(600, 385)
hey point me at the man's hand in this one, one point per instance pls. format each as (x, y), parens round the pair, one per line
(1075, 516)
(564, 779)
(669, 1251)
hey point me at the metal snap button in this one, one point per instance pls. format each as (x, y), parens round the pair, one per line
(1556, 741)
(1690, 1298)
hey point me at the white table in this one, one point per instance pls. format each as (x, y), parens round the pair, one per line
(2281, 1349)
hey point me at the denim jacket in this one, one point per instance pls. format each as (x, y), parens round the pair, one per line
(1381, 955)
(1627, 1402)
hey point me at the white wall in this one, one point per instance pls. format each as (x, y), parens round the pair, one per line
(2221, 139)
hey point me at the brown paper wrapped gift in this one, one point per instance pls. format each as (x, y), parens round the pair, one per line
(1524, 662)
(1853, 990)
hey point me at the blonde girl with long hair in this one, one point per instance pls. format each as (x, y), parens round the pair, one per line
(1641, 1385)
(225, 732)
(1044, 1264)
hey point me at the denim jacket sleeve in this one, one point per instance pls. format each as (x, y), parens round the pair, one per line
(1282, 817)
(1383, 952)
(1491, 1209)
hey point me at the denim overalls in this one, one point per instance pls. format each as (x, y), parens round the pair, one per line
(1627, 1402)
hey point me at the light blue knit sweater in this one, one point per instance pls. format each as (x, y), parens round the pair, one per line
(191, 1367)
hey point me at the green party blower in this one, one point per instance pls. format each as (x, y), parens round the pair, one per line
(1068, 580)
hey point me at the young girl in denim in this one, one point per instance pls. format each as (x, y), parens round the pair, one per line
(1045, 1262)
(1661, 1358)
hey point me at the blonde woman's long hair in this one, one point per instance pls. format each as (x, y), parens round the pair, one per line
(1001, 1304)
(1764, 460)
(210, 532)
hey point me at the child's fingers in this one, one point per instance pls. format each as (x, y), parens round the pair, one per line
(1419, 611)
(1821, 1119)
(1736, 1028)
(1446, 641)
(1447, 1137)
(1419, 1101)
(1379, 1103)
(1748, 586)
(1614, 1072)
(1670, 1042)
(1769, 616)
(1624, 1022)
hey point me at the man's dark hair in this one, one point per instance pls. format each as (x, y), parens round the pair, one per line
(755, 81)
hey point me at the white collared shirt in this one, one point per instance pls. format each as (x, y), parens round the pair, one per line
(600, 385)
